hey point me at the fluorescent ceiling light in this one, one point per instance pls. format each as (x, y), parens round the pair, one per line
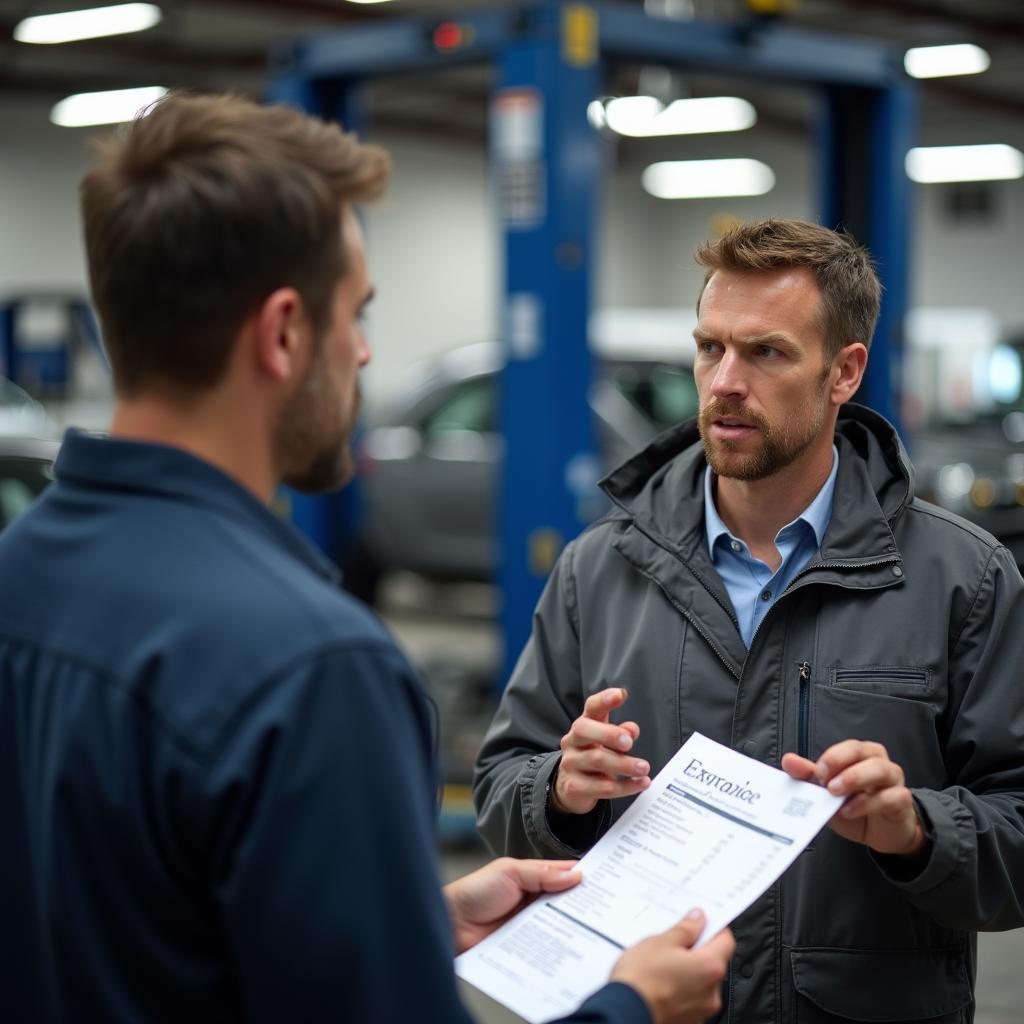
(87, 108)
(629, 114)
(90, 24)
(943, 61)
(930, 164)
(645, 117)
(703, 179)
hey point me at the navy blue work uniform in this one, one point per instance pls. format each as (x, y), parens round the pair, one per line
(217, 789)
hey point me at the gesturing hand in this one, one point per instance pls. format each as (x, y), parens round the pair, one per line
(879, 811)
(479, 902)
(594, 765)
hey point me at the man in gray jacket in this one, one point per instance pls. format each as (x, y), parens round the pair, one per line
(767, 577)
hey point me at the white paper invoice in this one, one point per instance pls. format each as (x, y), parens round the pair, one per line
(714, 830)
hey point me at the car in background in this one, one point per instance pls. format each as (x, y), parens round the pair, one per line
(20, 414)
(26, 468)
(428, 466)
(973, 464)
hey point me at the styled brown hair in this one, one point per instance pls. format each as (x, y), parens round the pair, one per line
(198, 210)
(850, 290)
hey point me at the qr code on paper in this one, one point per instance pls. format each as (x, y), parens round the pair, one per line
(797, 808)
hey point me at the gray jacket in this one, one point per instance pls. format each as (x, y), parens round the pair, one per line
(906, 628)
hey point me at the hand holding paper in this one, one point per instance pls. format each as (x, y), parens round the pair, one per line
(680, 985)
(714, 830)
(482, 901)
(880, 811)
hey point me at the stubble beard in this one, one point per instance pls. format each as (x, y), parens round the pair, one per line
(780, 445)
(314, 435)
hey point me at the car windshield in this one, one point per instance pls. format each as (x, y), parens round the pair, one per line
(665, 395)
(662, 393)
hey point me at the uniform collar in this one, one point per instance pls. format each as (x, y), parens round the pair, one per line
(118, 464)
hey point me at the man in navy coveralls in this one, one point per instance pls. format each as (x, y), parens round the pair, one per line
(217, 788)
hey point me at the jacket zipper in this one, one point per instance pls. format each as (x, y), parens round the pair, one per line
(802, 741)
(840, 565)
(795, 585)
(695, 622)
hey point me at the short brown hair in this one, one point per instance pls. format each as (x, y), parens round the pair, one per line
(198, 210)
(850, 290)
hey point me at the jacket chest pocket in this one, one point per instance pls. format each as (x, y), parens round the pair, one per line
(894, 680)
(893, 706)
(833, 986)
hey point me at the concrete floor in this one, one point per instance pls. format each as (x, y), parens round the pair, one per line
(450, 633)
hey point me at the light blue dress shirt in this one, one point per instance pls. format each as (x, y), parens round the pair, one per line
(751, 585)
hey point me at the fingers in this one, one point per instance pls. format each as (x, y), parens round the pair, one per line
(876, 773)
(688, 930)
(577, 789)
(594, 764)
(679, 984)
(842, 755)
(599, 704)
(585, 731)
(891, 804)
(721, 947)
(600, 760)
(533, 876)
(799, 768)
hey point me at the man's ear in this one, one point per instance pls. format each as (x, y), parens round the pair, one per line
(847, 372)
(282, 331)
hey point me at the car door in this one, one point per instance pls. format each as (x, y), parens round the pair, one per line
(440, 497)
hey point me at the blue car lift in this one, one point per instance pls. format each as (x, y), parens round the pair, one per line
(546, 164)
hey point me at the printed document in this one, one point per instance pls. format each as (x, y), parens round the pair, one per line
(714, 830)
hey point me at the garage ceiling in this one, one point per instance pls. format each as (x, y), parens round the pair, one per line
(218, 44)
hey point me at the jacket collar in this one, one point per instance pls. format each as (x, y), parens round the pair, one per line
(117, 464)
(659, 495)
(660, 488)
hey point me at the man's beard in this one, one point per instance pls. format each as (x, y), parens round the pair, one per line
(314, 434)
(780, 446)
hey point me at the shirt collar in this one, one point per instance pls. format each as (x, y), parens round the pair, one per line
(817, 514)
(115, 463)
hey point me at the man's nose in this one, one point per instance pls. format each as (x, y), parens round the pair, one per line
(363, 354)
(729, 380)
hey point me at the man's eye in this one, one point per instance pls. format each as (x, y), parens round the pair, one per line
(767, 352)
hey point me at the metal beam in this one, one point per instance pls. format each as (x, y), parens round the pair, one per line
(966, 16)
(762, 49)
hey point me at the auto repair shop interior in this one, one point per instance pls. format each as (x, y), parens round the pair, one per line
(901, 119)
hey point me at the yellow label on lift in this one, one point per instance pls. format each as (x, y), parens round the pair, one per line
(772, 6)
(544, 547)
(579, 35)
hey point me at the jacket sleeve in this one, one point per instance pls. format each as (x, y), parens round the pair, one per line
(323, 854)
(614, 1004)
(321, 846)
(974, 876)
(520, 753)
